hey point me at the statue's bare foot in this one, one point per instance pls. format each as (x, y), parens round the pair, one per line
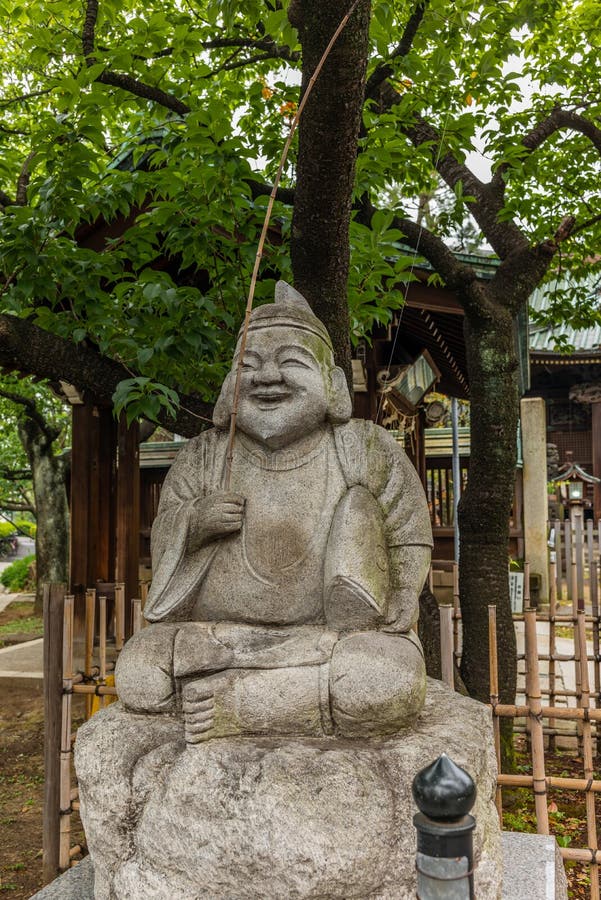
(198, 707)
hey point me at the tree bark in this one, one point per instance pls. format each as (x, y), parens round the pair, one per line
(485, 505)
(52, 511)
(30, 350)
(328, 134)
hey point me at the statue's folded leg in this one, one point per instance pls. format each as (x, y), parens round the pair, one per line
(377, 683)
(144, 672)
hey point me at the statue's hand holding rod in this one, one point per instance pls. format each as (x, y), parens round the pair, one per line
(214, 517)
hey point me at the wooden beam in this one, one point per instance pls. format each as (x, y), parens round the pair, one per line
(128, 513)
(433, 299)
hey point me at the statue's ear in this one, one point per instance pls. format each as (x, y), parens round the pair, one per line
(222, 410)
(340, 406)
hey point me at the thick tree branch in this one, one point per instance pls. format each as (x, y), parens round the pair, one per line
(281, 51)
(119, 79)
(239, 64)
(26, 348)
(386, 69)
(261, 189)
(88, 34)
(32, 412)
(17, 507)
(557, 120)
(143, 90)
(504, 237)
(582, 226)
(521, 271)
(23, 180)
(21, 98)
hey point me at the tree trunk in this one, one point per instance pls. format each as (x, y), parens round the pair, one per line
(485, 505)
(52, 511)
(328, 133)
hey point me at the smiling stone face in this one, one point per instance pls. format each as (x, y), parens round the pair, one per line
(285, 385)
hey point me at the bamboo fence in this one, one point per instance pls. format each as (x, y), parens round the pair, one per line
(94, 680)
(552, 713)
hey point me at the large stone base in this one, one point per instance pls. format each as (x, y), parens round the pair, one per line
(280, 818)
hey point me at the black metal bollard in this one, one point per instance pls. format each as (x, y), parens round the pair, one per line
(444, 794)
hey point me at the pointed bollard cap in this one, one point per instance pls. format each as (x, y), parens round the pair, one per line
(443, 791)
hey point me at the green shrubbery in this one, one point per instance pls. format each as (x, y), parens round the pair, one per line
(20, 575)
(6, 529)
(27, 527)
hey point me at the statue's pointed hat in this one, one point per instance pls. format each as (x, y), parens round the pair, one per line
(289, 308)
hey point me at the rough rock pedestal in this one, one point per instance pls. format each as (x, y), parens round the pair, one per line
(272, 817)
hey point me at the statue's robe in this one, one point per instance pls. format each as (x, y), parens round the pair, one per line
(368, 456)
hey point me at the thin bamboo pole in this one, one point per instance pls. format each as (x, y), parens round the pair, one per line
(514, 710)
(579, 548)
(526, 584)
(494, 698)
(561, 657)
(546, 617)
(136, 615)
(119, 616)
(102, 639)
(577, 670)
(553, 781)
(552, 613)
(585, 856)
(568, 557)
(253, 281)
(558, 560)
(102, 690)
(144, 591)
(587, 742)
(89, 641)
(533, 700)
(54, 595)
(590, 546)
(595, 617)
(456, 613)
(447, 661)
(65, 758)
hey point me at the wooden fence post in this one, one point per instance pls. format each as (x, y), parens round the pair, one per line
(54, 600)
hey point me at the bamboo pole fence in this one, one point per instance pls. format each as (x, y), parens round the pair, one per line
(102, 642)
(552, 713)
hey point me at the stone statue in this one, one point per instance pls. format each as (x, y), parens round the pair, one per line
(271, 715)
(286, 604)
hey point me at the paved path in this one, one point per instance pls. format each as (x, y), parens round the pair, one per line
(22, 660)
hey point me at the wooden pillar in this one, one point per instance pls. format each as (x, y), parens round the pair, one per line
(107, 471)
(93, 485)
(92, 532)
(80, 510)
(128, 513)
(54, 599)
(596, 453)
(534, 485)
(80, 474)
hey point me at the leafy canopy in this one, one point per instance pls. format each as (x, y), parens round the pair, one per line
(172, 116)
